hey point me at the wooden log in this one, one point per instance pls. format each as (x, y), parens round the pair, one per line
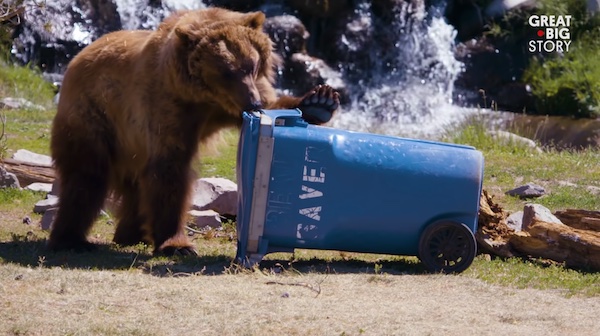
(492, 232)
(580, 219)
(28, 173)
(575, 247)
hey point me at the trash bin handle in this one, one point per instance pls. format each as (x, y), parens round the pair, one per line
(268, 119)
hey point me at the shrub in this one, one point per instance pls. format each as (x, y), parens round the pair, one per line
(568, 85)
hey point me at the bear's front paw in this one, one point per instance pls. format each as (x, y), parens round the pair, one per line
(319, 105)
(177, 251)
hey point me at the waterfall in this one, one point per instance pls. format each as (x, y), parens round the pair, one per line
(136, 14)
(406, 90)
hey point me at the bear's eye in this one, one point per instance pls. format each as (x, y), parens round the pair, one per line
(228, 75)
(249, 68)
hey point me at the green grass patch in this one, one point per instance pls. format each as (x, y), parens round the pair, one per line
(568, 176)
(520, 273)
(22, 82)
(218, 158)
(28, 129)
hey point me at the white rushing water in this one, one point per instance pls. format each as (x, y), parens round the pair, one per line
(416, 101)
(136, 14)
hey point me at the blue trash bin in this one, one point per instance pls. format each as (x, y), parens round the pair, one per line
(315, 187)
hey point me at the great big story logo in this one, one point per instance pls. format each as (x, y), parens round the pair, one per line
(553, 33)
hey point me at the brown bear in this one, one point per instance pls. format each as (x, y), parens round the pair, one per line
(133, 108)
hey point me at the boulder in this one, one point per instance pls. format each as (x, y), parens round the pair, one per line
(528, 190)
(26, 156)
(38, 186)
(8, 180)
(320, 9)
(538, 213)
(511, 138)
(215, 193)
(42, 206)
(19, 103)
(205, 218)
(48, 218)
(303, 72)
(288, 34)
(515, 221)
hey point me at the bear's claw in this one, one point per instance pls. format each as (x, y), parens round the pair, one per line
(318, 105)
(178, 251)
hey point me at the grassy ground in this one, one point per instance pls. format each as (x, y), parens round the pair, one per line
(571, 178)
(116, 290)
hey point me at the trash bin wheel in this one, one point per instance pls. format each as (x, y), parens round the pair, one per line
(447, 247)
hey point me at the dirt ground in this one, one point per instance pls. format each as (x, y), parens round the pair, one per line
(58, 301)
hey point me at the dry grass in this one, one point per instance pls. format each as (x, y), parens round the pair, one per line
(62, 301)
(126, 291)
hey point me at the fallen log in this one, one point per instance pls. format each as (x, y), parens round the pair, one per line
(580, 219)
(562, 243)
(492, 232)
(28, 172)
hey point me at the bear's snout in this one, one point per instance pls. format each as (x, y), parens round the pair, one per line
(254, 105)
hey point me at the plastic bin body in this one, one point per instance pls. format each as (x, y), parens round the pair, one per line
(331, 189)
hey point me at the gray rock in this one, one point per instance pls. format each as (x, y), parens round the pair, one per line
(288, 34)
(529, 190)
(38, 186)
(206, 218)
(593, 190)
(215, 193)
(511, 138)
(304, 72)
(31, 157)
(43, 205)
(18, 103)
(55, 187)
(537, 212)
(8, 180)
(48, 218)
(515, 221)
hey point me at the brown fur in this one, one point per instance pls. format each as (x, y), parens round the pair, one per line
(134, 106)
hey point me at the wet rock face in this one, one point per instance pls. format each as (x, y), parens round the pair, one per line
(52, 33)
(360, 40)
(320, 8)
(299, 72)
(238, 5)
(493, 68)
(287, 33)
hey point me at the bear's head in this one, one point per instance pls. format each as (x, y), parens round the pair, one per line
(229, 60)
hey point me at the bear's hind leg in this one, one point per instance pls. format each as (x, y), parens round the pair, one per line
(165, 191)
(82, 194)
(130, 227)
(82, 157)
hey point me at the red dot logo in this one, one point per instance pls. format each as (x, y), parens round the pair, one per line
(540, 33)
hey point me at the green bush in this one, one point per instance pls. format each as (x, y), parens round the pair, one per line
(568, 85)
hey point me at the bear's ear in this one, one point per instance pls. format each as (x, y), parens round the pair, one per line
(187, 34)
(253, 20)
